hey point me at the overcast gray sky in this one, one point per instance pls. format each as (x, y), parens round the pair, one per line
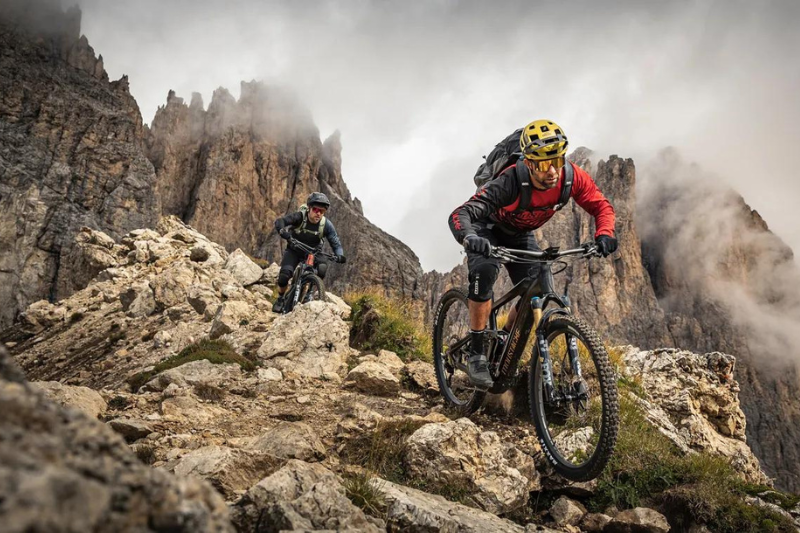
(420, 90)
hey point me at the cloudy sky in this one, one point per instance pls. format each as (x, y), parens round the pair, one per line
(420, 90)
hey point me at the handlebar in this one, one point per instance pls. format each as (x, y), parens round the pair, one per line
(588, 249)
(310, 250)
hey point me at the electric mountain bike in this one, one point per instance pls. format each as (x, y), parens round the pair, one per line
(306, 285)
(572, 388)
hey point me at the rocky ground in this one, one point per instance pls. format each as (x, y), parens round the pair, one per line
(283, 429)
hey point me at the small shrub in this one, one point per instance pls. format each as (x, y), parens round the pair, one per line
(116, 336)
(382, 449)
(216, 351)
(77, 316)
(117, 403)
(244, 322)
(389, 323)
(364, 495)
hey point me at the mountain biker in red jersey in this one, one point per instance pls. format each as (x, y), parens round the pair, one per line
(492, 217)
(308, 226)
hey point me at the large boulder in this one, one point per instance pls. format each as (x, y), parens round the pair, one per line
(242, 268)
(230, 470)
(311, 341)
(229, 317)
(496, 474)
(299, 496)
(202, 372)
(291, 440)
(60, 470)
(371, 377)
(82, 398)
(638, 520)
(693, 399)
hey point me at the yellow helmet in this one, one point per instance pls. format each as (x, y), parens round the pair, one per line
(543, 139)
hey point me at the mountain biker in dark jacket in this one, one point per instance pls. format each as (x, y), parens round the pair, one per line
(305, 226)
(490, 218)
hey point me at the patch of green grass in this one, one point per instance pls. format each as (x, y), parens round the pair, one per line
(388, 323)
(768, 494)
(382, 449)
(216, 351)
(648, 469)
(364, 495)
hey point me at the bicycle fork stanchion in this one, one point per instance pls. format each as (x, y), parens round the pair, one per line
(544, 351)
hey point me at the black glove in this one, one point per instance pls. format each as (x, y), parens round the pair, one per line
(478, 245)
(285, 234)
(606, 245)
(341, 259)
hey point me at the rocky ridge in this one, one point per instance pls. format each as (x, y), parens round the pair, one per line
(273, 440)
(71, 153)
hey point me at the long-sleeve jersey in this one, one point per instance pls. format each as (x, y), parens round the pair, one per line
(310, 236)
(498, 200)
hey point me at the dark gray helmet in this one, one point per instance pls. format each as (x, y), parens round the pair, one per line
(317, 198)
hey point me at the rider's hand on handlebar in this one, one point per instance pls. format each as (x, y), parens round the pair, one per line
(285, 234)
(606, 245)
(478, 245)
(341, 259)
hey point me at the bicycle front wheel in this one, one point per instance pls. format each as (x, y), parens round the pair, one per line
(450, 329)
(576, 415)
(312, 288)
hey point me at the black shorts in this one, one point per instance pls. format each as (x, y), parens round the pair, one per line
(483, 270)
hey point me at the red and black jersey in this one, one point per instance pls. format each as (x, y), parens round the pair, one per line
(499, 199)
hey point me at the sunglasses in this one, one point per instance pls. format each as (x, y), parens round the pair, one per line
(544, 165)
(320, 210)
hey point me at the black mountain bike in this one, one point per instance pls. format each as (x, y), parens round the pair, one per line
(572, 388)
(306, 284)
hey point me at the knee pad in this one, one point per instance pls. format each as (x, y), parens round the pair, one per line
(284, 276)
(481, 281)
(322, 268)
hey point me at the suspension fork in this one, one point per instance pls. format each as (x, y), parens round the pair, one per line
(543, 349)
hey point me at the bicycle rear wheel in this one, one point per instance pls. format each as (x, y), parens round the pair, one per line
(577, 427)
(312, 288)
(451, 325)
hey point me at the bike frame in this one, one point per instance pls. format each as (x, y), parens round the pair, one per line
(303, 268)
(539, 293)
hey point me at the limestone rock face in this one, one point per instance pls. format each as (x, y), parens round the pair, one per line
(693, 399)
(230, 170)
(459, 452)
(71, 156)
(729, 284)
(61, 470)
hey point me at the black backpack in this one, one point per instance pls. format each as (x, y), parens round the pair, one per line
(507, 153)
